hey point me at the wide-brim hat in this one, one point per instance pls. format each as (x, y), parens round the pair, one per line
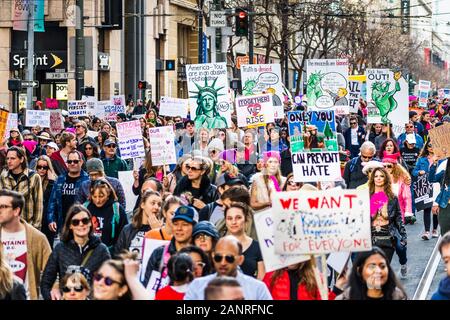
(45, 136)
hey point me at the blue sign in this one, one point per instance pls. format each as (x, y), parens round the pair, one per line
(204, 49)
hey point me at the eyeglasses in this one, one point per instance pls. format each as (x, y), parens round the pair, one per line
(88, 148)
(112, 146)
(228, 258)
(108, 281)
(42, 167)
(4, 206)
(188, 167)
(73, 161)
(76, 222)
(76, 289)
(388, 166)
(203, 237)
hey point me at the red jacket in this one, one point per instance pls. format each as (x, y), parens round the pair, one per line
(281, 289)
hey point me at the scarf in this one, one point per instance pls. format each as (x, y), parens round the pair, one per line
(377, 201)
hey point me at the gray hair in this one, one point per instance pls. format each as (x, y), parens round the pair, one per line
(368, 145)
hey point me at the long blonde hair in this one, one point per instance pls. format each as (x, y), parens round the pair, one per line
(399, 172)
(6, 275)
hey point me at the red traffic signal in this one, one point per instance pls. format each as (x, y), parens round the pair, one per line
(242, 14)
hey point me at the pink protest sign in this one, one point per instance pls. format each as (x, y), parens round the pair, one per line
(51, 103)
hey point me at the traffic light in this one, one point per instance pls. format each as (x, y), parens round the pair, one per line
(170, 65)
(14, 85)
(142, 85)
(241, 23)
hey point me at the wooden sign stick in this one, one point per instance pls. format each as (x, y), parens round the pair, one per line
(318, 279)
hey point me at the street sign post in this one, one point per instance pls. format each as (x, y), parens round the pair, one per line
(30, 83)
(218, 19)
(59, 75)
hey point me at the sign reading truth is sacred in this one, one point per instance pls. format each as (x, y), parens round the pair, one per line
(254, 110)
(319, 222)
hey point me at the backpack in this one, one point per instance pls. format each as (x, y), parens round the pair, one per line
(353, 164)
(116, 216)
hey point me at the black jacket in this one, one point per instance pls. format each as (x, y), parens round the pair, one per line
(154, 262)
(207, 191)
(396, 226)
(17, 292)
(70, 253)
(286, 162)
(355, 177)
(126, 236)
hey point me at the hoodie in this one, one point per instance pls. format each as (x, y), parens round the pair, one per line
(443, 292)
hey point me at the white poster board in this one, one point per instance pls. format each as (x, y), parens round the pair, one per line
(254, 111)
(77, 108)
(126, 179)
(131, 143)
(162, 145)
(37, 118)
(173, 107)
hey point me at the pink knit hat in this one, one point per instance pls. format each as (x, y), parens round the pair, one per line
(30, 145)
(390, 158)
(271, 154)
(228, 155)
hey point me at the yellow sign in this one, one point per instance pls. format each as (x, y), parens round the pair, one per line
(357, 77)
(57, 60)
(3, 122)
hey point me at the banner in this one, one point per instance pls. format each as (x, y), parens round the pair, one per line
(162, 145)
(264, 78)
(20, 15)
(77, 108)
(354, 88)
(127, 180)
(327, 85)
(423, 192)
(37, 118)
(210, 106)
(4, 115)
(440, 138)
(39, 16)
(264, 225)
(131, 144)
(51, 103)
(173, 107)
(387, 98)
(314, 146)
(424, 89)
(254, 111)
(56, 122)
(320, 222)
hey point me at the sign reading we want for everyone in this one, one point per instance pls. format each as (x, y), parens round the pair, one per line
(319, 222)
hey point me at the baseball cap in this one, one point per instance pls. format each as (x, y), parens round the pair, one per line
(52, 145)
(206, 227)
(184, 213)
(226, 179)
(410, 138)
(108, 142)
(94, 164)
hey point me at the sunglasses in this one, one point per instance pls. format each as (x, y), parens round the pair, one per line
(76, 289)
(76, 222)
(352, 123)
(188, 167)
(78, 126)
(112, 146)
(389, 166)
(73, 161)
(408, 127)
(42, 167)
(293, 183)
(365, 157)
(228, 258)
(87, 148)
(108, 281)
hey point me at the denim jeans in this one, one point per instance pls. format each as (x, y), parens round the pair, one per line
(401, 252)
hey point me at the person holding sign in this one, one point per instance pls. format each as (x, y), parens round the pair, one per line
(423, 166)
(387, 224)
(267, 182)
(372, 278)
(440, 172)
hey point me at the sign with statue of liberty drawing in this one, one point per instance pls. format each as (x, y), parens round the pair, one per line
(210, 105)
(327, 85)
(264, 78)
(387, 98)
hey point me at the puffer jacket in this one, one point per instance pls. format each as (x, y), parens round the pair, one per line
(126, 236)
(70, 253)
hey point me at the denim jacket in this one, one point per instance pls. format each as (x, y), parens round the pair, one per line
(54, 209)
(443, 196)
(422, 164)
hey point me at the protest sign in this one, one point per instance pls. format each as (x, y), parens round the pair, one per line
(440, 138)
(100, 108)
(37, 118)
(131, 143)
(338, 261)
(210, 105)
(314, 146)
(254, 111)
(319, 222)
(387, 98)
(77, 108)
(116, 105)
(13, 122)
(265, 230)
(424, 89)
(3, 122)
(423, 192)
(264, 78)
(51, 103)
(91, 104)
(56, 121)
(162, 145)
(149, 246)
(327, 85)
(354, 88)
(173, 107)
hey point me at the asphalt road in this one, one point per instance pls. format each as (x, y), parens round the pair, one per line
(419, 252)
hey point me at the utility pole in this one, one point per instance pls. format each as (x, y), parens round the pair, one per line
(200, 31)
(250, 32)
(79, 49)
(30, 52)
(284, 12)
